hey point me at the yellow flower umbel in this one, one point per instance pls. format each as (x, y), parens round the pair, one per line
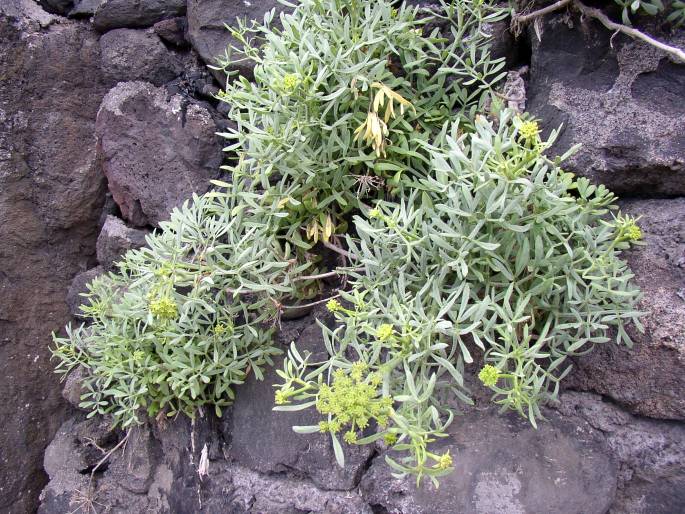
(384, 332)
(444, 461)
(352, 401)
(290, 82)
(489, 375)
(529, 131)
(164, 308)
(627, 229)
(333, 305)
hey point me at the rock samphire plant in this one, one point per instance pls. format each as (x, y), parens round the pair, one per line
(374, 134)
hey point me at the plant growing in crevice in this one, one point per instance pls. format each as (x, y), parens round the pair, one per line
(373, 131)
(186, 318)
(497, 251)
(319, 129)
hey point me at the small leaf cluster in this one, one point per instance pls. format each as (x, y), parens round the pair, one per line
(184, 320)
(652, 8)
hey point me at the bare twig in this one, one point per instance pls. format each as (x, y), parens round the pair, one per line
(339, 250)
(518, 20)
(333, 273)
(521, 19)
(629, 31)
(109, 453)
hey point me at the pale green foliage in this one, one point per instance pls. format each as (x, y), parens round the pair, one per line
(496, 251)
(175, 330)
(675, 12)
(315, 81)
(367, 129)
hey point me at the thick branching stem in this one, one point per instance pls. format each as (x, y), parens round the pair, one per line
(592, 12)
(525, 18)
(518, 20)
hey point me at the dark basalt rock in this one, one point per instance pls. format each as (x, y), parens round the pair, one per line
(621, 99)
(129, 54)
(156, 149)
(173, 31)
(208, 34)
(51, 196)
(650, 454)
(115, 240)
(503, 464)
(83, 8)
(114, 14)
(648, 378)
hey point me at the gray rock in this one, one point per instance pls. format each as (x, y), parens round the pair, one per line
(115, 240)
(157, 473)
(73, 386)
(156, 150)
(648, 378)
(129, 54)
(173, 31)
(651, 454)
(207, 32)
(310, 456)
(51, 196)
(84, 8)
(114, 14)
(78, 287)
(502, 464)
(624, 104)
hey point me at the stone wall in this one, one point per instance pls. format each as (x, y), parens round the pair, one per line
(107, 120)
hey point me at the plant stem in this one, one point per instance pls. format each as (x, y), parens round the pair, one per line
(592, 12)
(525, 18)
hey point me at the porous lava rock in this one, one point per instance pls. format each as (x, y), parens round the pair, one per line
(156, 150)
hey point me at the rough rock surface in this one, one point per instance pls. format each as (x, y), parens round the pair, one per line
(115, 240)
(114, 14)
(84, 8)
(51, 195)
(502, 464)
(129, 54)
(650, 454)
(624, 105)
(649, 378)
(157, 472)
(156, 150)
(78, 287)
(208, 34)
(172, 30)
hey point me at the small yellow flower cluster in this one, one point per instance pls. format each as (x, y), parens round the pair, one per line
(290, 82)
(445, 461)
(282, 397)
(138, 356)
(390, 439)
(384, 332)
(352, 401)
(164, 308)
(223, 329)
(627, 229)
(529, 130)
(374, 213)
(489, 375)
(333, 306)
